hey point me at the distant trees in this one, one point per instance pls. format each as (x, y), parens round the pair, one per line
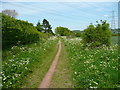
(63, 31)
(11, 13)
(115, 32)
(95, 36)
(45, 27)
(78, 33)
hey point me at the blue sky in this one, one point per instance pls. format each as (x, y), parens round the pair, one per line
(74, 15)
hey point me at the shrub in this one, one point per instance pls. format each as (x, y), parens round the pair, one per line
(63, 31)
(78, 34)
(96, 36)
(16, 32)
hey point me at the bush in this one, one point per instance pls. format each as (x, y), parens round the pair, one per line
(78, 34)
(96, 36)
(63, 31)
(16, 32)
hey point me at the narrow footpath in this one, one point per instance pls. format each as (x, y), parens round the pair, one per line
(48, 77)
(62, 76)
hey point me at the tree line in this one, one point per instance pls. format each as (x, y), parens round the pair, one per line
(17, 32)
(93, 36)
(64, 31)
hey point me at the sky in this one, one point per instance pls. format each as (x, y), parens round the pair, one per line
(73, 15)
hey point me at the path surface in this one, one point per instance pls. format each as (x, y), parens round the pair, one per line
(62, 76)
(48, 77)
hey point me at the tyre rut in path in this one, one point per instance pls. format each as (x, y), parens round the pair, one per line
(48, 77)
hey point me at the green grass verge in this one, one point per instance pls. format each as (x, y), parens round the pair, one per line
(39, 69)
(93, 68)
(25, 66)
(62, 75)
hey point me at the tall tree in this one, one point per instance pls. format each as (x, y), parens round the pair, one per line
(11, 13)
(39, 27)
(47, 27)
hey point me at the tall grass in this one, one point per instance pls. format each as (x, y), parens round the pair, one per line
(93, 68)
(19, 61)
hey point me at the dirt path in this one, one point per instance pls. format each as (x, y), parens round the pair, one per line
(48, 77)
(62, 76)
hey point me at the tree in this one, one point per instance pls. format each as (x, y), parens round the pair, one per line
(39, 27)
(47, 27)
(11, 13)
(78, 33)
(63, 31)
(95, 36)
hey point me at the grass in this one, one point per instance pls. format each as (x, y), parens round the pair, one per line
(93, 68)
(21, 63)
(115, 40)
(62, 76)
(25, 66)
(39, 69)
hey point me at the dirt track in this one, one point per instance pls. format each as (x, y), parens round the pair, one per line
(48, 77)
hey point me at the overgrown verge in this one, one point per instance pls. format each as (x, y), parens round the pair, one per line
(93, 68)
(19, 61)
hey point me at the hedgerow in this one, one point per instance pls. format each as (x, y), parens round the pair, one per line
(16, 32)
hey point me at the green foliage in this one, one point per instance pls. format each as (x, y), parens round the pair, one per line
(39, 27)
(77, 31)
(95, 36)
(115, 31)
(78, 34)
(93, 68)
(63, 31)
(47, 27)
(19, 61)
(15, 32)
